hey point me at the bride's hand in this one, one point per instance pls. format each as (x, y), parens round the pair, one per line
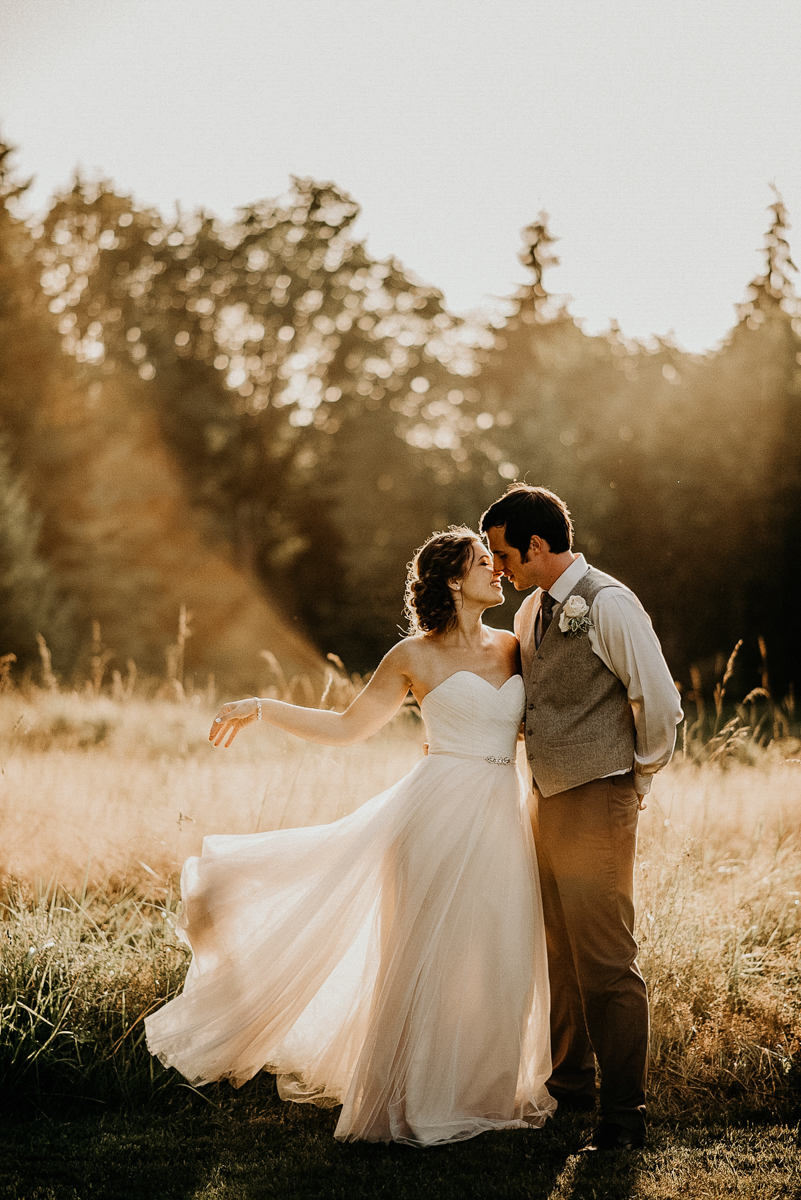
(231, 719)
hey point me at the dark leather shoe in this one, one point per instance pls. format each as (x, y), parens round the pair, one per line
(609, 1136)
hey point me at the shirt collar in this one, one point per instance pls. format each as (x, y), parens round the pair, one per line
(561, 589)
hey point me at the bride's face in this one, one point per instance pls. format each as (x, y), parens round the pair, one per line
(481, 583)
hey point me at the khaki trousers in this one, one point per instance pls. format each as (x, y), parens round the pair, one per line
(586, 843)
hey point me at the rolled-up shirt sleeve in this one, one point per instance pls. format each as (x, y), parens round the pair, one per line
(623, 638)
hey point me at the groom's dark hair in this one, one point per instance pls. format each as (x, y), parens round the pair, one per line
(524, 511)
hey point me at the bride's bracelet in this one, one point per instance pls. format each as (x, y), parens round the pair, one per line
(258, 708)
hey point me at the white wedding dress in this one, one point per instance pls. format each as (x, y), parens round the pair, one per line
(394, 960)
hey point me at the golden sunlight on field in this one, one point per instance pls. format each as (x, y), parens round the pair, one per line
(97, 790)
(128, 790)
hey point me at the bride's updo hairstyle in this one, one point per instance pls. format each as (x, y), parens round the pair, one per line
(430, 605)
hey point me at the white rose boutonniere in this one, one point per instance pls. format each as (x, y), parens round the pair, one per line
(573, 619)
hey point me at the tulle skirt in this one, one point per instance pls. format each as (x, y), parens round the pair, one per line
(392, 961)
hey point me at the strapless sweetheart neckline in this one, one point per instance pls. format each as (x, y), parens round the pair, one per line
(475, 676)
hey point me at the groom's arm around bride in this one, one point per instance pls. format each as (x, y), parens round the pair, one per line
(601, 716)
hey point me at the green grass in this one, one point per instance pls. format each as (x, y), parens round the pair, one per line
(249, 1145)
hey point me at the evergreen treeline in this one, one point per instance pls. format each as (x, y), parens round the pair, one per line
(262, 421)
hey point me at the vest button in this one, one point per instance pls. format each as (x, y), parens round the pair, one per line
(530, 732)
(531, 708)
(530, 756)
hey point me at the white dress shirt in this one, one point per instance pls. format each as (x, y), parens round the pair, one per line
(623, 638)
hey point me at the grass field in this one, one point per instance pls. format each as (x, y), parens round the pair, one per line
(102, 799)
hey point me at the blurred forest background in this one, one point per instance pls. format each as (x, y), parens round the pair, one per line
(259, 422)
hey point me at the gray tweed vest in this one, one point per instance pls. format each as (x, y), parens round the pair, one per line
(579, 724)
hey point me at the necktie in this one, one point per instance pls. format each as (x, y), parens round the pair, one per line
(548, 604)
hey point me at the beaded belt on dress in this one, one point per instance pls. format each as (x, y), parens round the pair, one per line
(495, 759)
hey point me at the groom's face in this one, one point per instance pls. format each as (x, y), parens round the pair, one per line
(521, 571)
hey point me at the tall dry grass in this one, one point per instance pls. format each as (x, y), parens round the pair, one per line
(102, 796)
(719, 927)
(130, 790)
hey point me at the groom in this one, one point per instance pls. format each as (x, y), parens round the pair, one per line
(601, 716)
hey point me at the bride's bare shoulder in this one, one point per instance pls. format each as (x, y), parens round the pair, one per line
(504, 639)
(419, 656)
(506, 646)
(406, 655)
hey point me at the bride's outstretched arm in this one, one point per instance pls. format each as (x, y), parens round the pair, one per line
(371, 709)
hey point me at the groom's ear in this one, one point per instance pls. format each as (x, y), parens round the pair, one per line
(537, 545)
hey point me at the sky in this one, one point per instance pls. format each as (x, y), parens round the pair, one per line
(649, 130)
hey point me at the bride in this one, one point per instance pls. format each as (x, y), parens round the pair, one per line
(392, 961)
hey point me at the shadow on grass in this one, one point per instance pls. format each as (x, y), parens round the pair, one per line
(614, 1177)
(248, 1145)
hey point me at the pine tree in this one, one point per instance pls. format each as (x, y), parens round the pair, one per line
(538, 257)
(774, 287)
(28, 603)
(30, 356)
